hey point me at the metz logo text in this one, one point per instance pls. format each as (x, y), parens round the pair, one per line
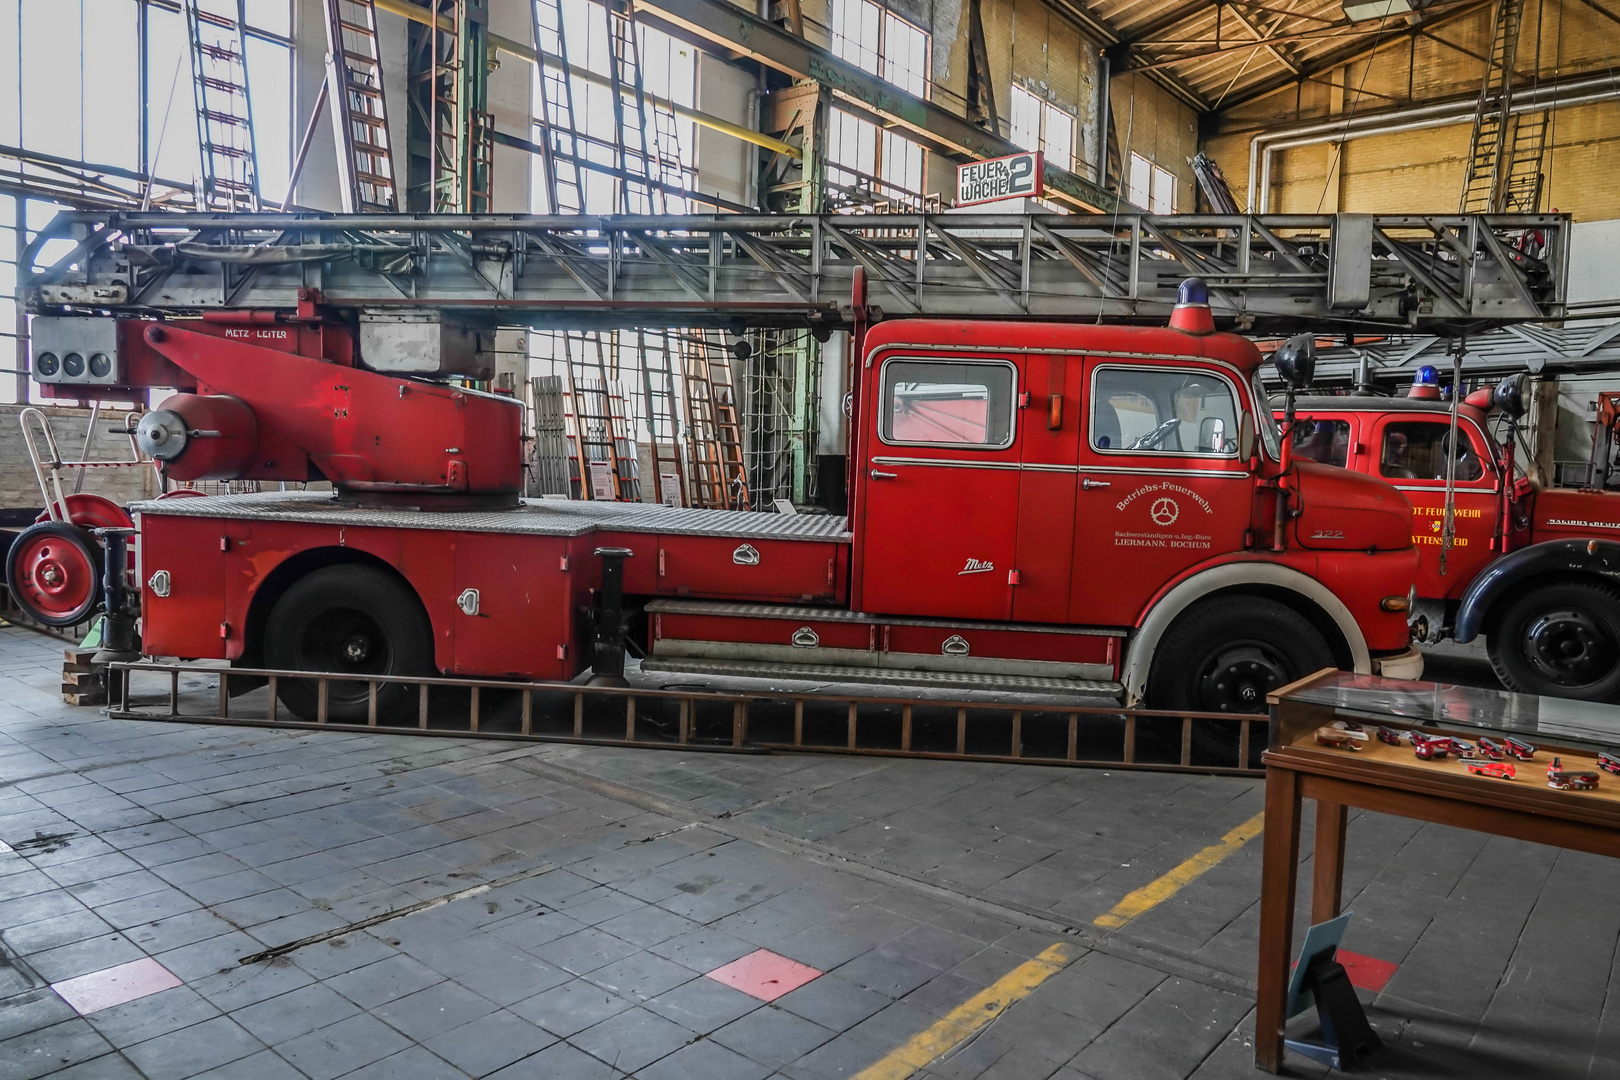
(977, 566)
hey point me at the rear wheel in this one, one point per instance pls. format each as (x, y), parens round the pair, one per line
(354, 620)
(1225, 655)
(1562, 640)
(54, 572)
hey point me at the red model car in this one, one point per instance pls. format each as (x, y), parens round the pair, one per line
(1489, 749)
(1429, 747)
(1395, 738)
(1564, 780)
(1501, 770)
(1460, 746)
(1520, 749)
(1609, 761)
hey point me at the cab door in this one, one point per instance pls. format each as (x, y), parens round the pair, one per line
(1409, 451)
(940, 519)
(1161, 485)
(1047, 485)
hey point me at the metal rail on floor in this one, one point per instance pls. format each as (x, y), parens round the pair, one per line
(736, 722)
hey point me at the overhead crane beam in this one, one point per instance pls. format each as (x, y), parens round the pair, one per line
(1428, 274)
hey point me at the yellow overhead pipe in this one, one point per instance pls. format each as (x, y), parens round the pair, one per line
(417, 13)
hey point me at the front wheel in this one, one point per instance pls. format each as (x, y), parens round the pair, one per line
(1562, 640)
(54, 572)
(354, 620)
(1226, 655)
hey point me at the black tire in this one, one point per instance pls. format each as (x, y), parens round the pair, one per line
(356, 620)
(1225, 655)
(1561, 640)
(53, 569)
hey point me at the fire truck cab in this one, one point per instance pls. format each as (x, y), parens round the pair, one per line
(1533, 570)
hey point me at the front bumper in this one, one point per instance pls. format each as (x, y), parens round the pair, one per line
(1406, 665)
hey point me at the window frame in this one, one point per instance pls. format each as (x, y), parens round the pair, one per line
(1091, 413)
(885, 414)
(1486, 477)
(1154, 169)
(1044, 110)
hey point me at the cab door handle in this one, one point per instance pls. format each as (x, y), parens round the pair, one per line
(1087, 483)
(878, 474)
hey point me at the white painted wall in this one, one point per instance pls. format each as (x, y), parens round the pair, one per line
(723, 162)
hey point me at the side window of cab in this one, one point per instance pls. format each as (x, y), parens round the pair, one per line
(1323, 440)
(968, 405)
(1143, 410)
(1417, 450)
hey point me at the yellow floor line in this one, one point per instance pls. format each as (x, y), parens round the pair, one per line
(1158, 891)
(969, 1017)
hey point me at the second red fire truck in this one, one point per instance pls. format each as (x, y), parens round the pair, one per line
(1534, 571)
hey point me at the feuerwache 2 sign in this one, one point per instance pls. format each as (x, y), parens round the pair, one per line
(1016, 176)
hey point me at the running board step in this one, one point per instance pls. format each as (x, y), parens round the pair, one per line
(953, 680)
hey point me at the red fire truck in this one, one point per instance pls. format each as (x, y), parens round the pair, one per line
(1047, 506)
(1533, 570)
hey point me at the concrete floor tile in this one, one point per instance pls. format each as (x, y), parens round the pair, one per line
(32, 1010)
(632, 1039)
(289, 1015)
(240, 986)
(415, 1063)
(570, 1008)
(383, 981)
(47, 1049)
(772, 1036)
(833, 1002)
(490, 1043)
(557, 1061)
(584, 951)
(265, 1065)
(191, 1050)
(343, 1047)
(148, 1017)
(704, 1061)
(431, 1012)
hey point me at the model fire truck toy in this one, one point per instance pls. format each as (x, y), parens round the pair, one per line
(1568, 780)
(1060, 507)
(1531, 569)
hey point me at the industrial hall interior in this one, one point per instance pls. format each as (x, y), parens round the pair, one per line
(809, 539)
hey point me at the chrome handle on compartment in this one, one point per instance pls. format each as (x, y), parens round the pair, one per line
(878, 474)
(1087, 483)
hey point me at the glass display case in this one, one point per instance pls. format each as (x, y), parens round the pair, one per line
(1361, 722)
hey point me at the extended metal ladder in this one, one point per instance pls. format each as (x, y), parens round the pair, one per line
(558, 142)
(1505, 153)
(365, 156)
(229, 172)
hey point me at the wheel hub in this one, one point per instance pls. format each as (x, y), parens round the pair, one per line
(55, 576)
(1236, 679)
(357, 649)
(1569, 647)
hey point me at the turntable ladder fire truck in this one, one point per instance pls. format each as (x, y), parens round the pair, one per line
(1057, 481)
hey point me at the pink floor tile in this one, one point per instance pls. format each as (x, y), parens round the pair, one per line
(116, 985)
(1367, 972)
(764, 974)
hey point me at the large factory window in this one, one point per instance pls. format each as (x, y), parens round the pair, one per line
(940, 403)
(868, 164)
(1040, 125)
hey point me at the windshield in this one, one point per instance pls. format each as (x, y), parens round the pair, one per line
(1264, 421)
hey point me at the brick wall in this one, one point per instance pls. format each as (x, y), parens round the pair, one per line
(1422, 171)
(1150, 121)
(19, 489)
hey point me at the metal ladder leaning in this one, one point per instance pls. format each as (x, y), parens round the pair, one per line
(644, 161)
(365, 157)
(598, 428)
(559, 146)
(1501, 168)
(656, 350)
(229, 172)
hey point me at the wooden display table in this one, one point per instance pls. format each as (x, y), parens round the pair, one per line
(1392, 780)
